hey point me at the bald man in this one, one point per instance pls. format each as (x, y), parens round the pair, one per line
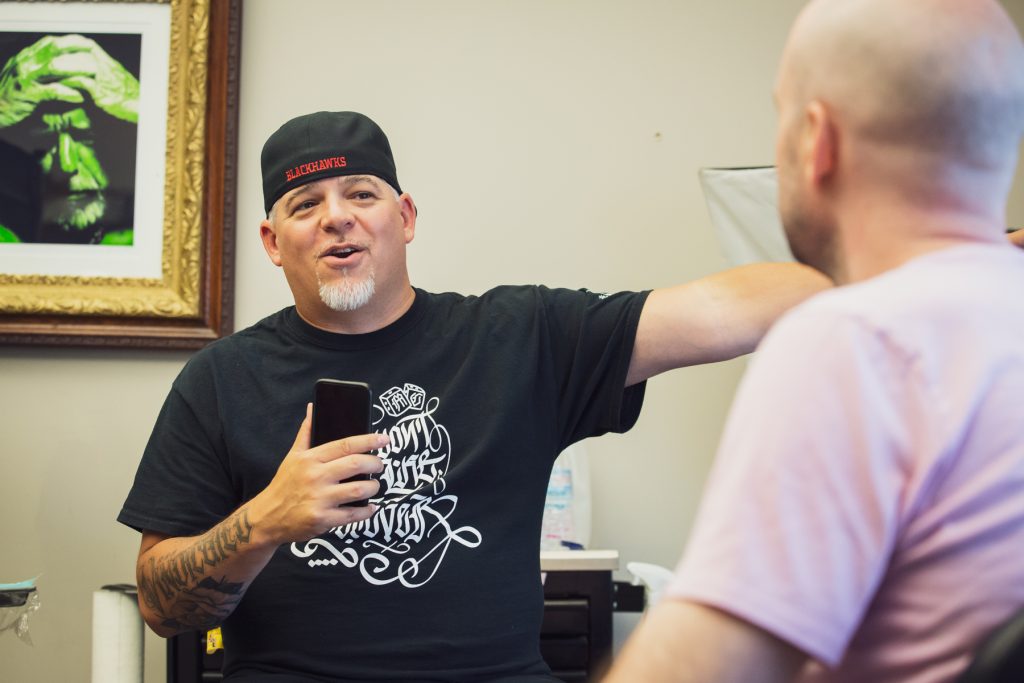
(864, 520)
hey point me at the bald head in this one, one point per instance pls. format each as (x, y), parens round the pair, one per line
(942, 77)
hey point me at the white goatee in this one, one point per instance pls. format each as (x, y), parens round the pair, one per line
(347, 294)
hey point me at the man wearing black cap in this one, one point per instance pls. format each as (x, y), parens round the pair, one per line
(244, 524)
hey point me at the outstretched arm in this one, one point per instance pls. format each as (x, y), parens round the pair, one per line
(196, 582)
(717, 317)
(684, 642)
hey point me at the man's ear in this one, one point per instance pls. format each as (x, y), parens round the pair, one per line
(269, 238)
(819, 144)
(409, 213)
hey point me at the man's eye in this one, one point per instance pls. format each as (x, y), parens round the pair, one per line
(363, 195)
(303, 206)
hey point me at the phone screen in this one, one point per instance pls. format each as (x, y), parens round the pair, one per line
(340, 409)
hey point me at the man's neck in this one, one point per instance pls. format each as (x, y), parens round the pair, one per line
(881, 237)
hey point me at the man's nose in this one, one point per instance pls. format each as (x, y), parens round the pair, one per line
(337, 214)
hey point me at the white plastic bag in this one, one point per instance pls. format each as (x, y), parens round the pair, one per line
(653, 576)
(17, 602)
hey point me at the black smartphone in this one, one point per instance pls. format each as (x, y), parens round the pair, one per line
(340, 410)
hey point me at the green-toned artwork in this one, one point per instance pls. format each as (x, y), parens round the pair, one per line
(69, 108)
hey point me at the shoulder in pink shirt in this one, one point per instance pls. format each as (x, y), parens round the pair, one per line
(867, 501)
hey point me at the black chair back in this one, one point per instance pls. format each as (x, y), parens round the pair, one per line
(1000, 659)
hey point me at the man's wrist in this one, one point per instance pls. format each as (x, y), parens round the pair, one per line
(265, 534)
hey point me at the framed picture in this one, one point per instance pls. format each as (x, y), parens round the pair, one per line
(118, 135)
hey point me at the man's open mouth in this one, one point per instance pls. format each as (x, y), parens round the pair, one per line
(341, 251)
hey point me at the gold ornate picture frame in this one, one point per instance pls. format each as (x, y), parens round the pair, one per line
(188, 302)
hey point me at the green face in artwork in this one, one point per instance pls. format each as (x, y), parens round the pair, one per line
(73, 173)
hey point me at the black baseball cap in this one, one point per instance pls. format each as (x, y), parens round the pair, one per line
(322, 145)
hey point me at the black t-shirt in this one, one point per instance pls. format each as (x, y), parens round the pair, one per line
(478, 395)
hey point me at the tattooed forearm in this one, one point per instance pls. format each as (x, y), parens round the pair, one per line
(206, 605)
(183, 569)
(177, 587)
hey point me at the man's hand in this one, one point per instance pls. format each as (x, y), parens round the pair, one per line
(61, 68)
(306, 496)
(1017, 237)
(196, 582)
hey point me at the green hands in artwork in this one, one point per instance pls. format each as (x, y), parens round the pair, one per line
(61, 68)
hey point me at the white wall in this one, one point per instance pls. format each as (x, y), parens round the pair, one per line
(544, 141)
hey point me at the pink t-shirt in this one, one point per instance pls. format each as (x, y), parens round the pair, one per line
(867, 501)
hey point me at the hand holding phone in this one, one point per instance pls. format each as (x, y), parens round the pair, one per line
(341, 409)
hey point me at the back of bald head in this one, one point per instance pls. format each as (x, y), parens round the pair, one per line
(943, 78)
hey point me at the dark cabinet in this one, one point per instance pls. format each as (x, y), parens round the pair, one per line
(576, 633)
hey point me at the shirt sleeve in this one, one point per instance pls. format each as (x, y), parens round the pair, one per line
(183, 486)
(800, 513)
(592, 338)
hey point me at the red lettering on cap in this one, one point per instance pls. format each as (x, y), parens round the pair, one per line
(314, 166)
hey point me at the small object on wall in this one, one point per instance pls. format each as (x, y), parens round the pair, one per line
(117, 635)
(17, 602)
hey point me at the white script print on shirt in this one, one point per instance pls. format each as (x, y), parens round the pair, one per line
(409, 537)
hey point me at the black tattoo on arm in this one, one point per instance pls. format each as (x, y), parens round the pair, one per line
(179, 588)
